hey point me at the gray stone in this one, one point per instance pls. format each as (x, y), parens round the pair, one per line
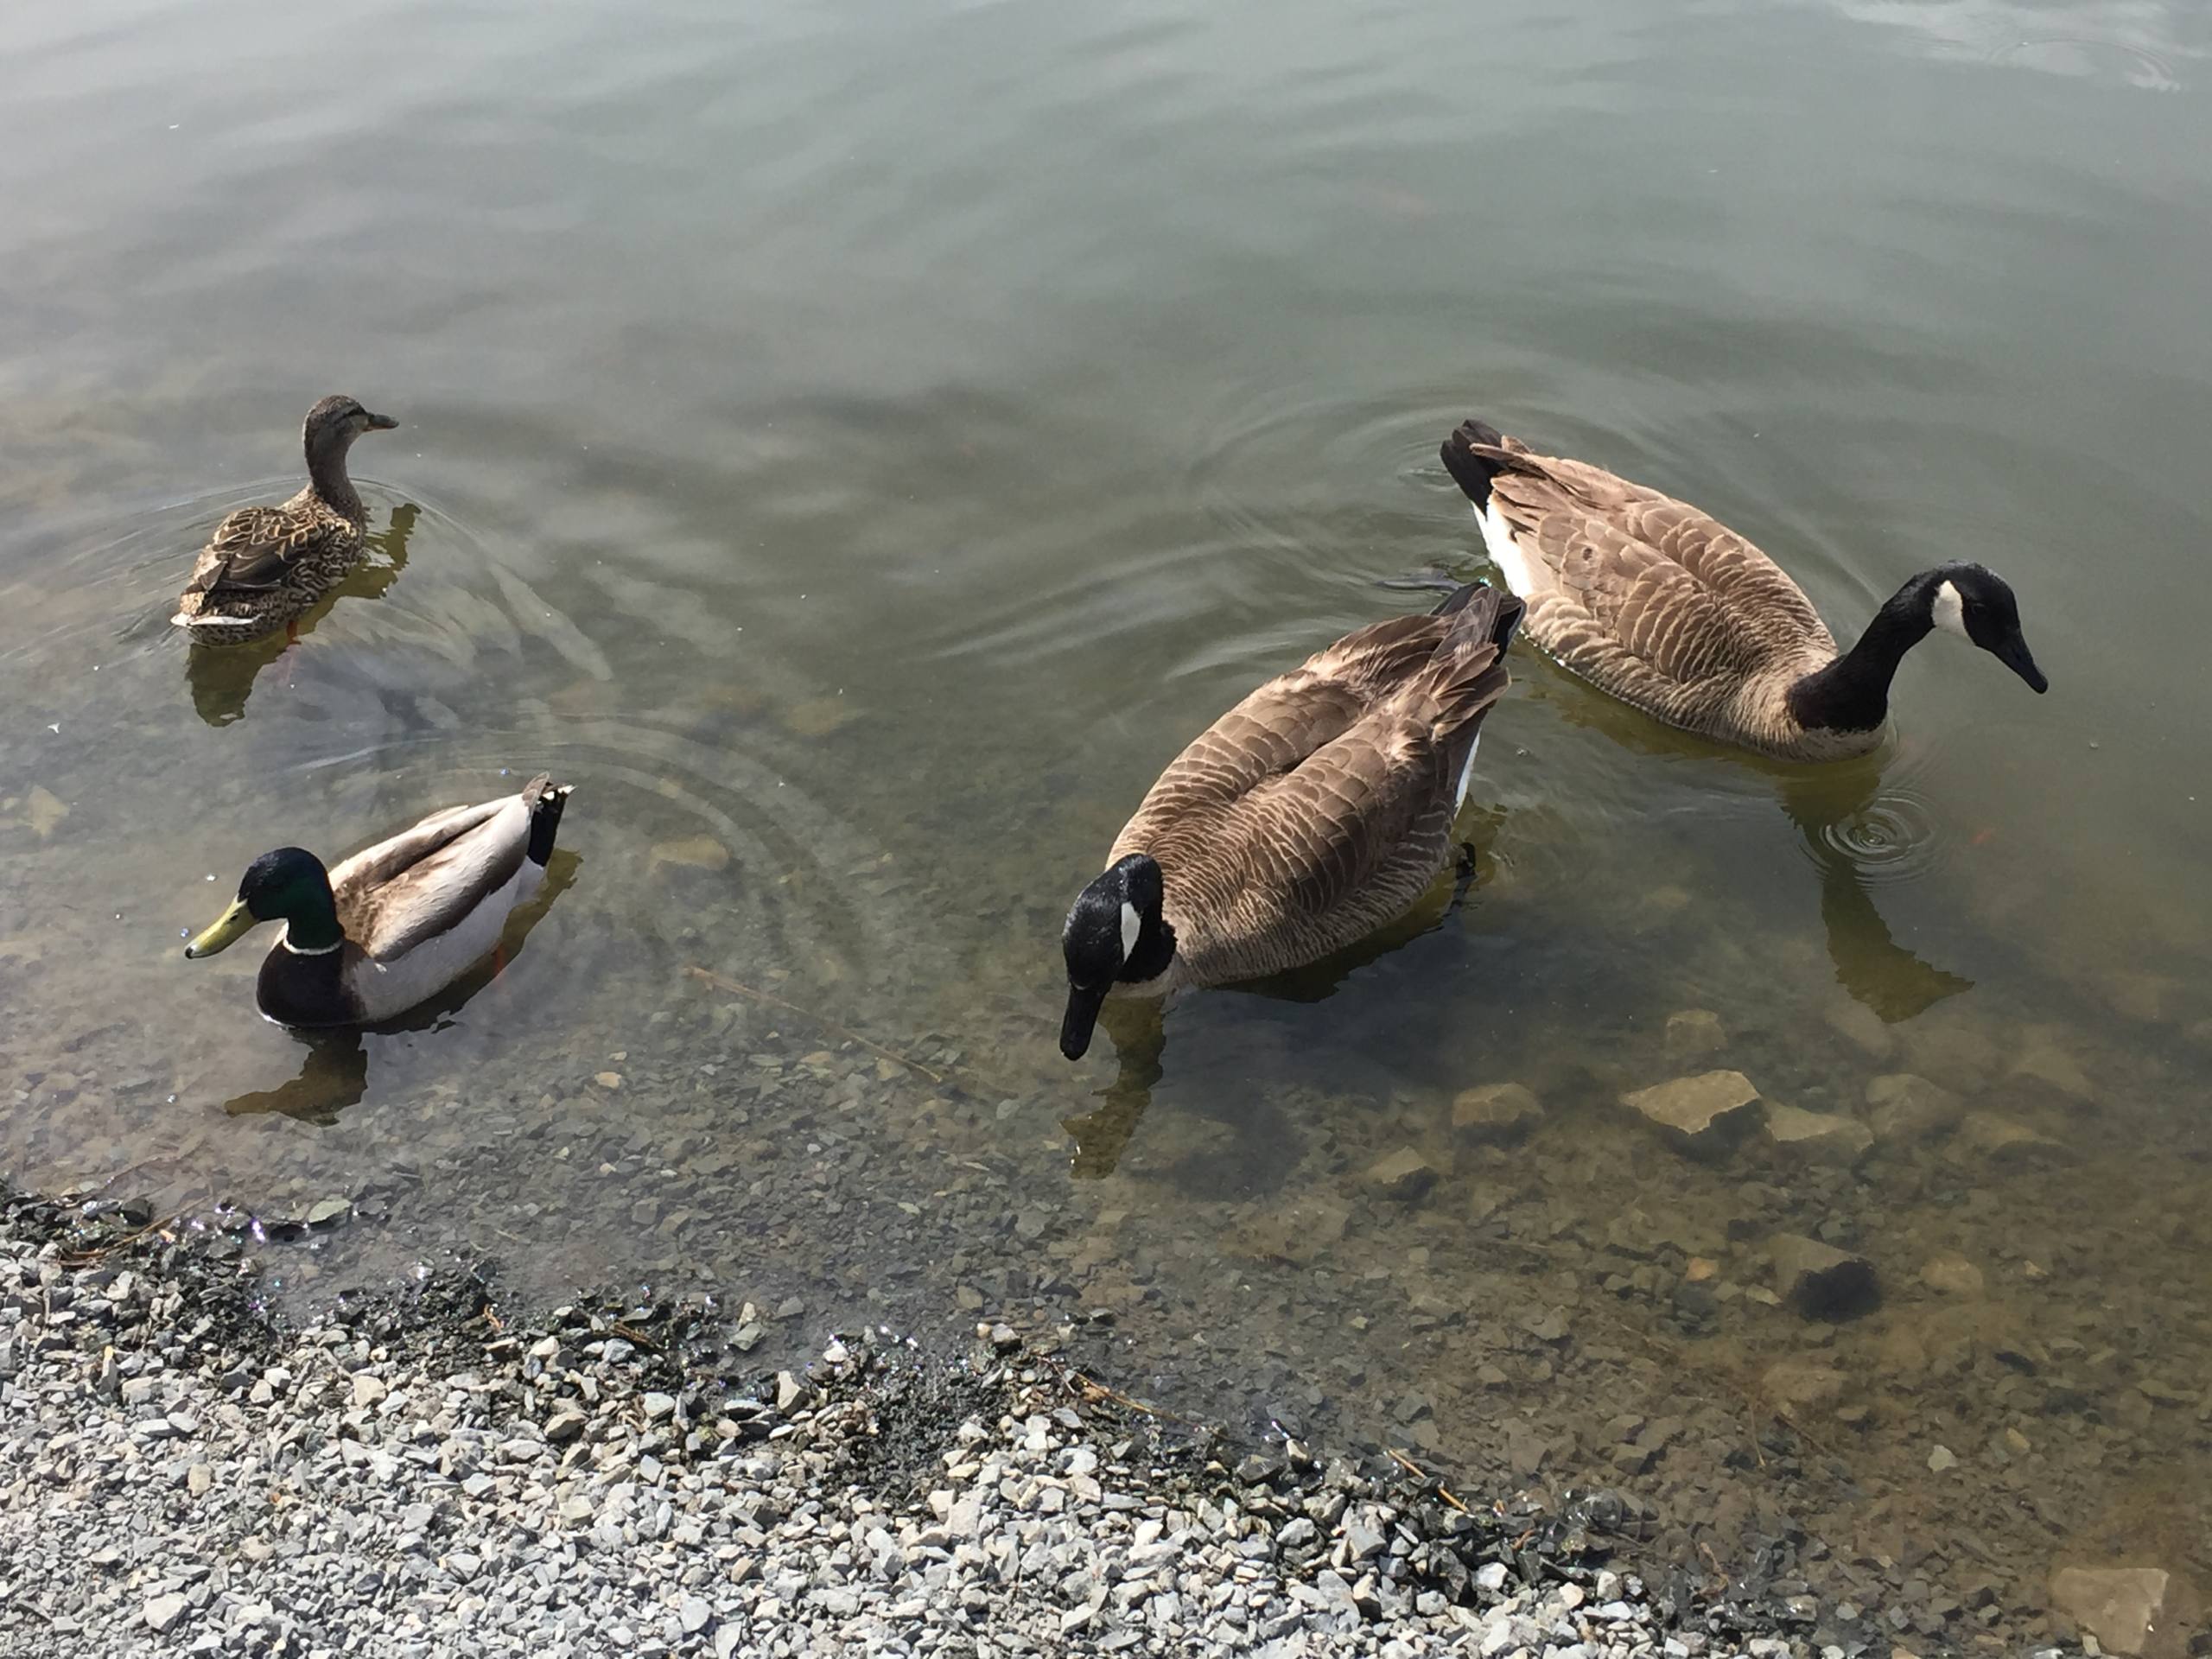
(658, 1408)
(693, 1614)
(1949, 1274)
(1992, 1138)
(2143, 1613)
(1909, 1110)
(1404, 1175)
(1819, 1280)
(1701, 1114)
(1494, 1114)
(1817, 1137)
(565, 1425)
(1802, 1386)
(1861, 1027)
(162, 1612)
(1693, 1033)
(2043, 1065)
(1295, 1230)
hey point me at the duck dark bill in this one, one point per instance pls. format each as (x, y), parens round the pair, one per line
(227, 930)
(1081, 1018)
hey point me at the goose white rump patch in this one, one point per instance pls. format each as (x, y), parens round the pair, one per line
(1512, 564)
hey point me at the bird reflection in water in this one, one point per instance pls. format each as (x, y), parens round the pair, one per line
(1137, 1028)
(334, 1074)
(221, 677)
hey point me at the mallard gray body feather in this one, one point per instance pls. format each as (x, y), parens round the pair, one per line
(1668, 609)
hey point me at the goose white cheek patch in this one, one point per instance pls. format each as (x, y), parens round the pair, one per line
(1132, 924)
(1949, 612)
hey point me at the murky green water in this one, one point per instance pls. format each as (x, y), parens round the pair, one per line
(859, 445)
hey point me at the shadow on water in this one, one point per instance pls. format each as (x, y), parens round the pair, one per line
(1138, 1028)
(1862, 825)
(335, 1073)
(1872, 967)
(221, 677)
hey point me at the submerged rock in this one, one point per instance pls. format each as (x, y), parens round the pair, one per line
(1494, 1114)
(1908, 1109)
(1819, 1280)
(2145, 1613)
(1405, 1174)
(1818, 1137)
(1695, 1033)
(46, 810)
(1956, 1051)
(1997, 1138)
(1949, 1274)
(1799, 1385)
(1296, 1232)
(688, 853)
(1701, 1114)
(1860, 1026)
(2047, 1066)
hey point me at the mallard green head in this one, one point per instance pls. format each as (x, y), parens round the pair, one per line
(287, 885)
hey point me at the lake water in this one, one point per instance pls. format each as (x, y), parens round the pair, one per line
(858, 445)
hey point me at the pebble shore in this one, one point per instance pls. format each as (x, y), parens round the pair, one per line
(414, 1476)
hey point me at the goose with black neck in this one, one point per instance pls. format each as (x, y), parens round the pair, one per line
(1662, 606)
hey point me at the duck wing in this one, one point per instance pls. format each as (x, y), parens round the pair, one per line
(423, 882)
(255, 548)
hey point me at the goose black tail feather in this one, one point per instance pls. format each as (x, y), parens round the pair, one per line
(1470, 469)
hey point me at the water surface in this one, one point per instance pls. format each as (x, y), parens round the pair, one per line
(857, 445)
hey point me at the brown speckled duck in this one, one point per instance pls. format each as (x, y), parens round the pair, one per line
(1312, 812)
(1672, 611)
(265, 566)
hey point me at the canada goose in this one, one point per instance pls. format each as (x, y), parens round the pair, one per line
(397, 923)
(1311, 813)
(1669, 610)
(265, 567)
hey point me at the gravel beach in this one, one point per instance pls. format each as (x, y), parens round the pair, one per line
(415, 1474)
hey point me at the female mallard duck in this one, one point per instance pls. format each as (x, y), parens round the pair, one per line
(265, 566)
(1670, 610)
(394, 924)
(1310, 814)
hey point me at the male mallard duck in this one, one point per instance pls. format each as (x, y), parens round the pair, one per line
(1310, 814)
(264, 566)
(395, 924)
(1672, 611)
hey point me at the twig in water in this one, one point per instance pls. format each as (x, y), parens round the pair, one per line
(86, 1258)
(722, 982)
(1413, 1469)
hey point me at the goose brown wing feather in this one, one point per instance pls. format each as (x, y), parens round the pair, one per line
(1647, 596)
(1320, 806)
(1324, 833)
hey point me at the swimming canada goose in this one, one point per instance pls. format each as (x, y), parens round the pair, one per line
(1313, 811)
(397, 923)
(265, 567)
(1668, 609)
